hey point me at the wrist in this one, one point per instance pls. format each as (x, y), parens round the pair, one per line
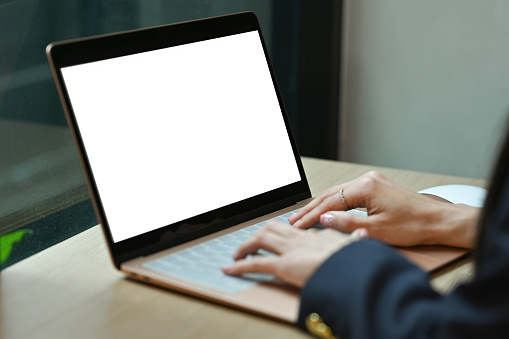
(456, 225)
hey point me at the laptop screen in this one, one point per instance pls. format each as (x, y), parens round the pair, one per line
(176, 132)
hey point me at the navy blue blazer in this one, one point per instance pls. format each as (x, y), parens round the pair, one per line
(367, 290)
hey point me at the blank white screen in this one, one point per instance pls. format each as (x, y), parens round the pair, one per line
(180, 131)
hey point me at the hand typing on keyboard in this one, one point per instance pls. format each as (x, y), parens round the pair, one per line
(202, 263)
(298, 253)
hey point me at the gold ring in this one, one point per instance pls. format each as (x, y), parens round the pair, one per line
(342, 198)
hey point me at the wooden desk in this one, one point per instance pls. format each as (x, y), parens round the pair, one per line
(71, 290)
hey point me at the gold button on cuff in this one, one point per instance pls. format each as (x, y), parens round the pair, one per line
(316, 326)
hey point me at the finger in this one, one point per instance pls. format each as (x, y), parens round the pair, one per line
(332, 202)
(355, 193)
(259, 264)
(360, 191)
(358, 234)
(306, 209)
(324, 198)
(344, 221)
(272, 237)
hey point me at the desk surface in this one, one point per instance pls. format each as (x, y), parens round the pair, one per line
(71, 290)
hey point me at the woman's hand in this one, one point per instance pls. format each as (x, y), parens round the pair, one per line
(298, 253)
(396, 215)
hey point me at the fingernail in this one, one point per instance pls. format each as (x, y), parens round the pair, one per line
(296, 224)
(291, 217)
(363, 233)
(226, 268)
(326, 219)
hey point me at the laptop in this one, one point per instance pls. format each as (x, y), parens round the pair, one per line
(187, 150)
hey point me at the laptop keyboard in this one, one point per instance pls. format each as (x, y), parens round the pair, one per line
(202, 263)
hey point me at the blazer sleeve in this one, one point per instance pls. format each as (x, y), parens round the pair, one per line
(368, 290)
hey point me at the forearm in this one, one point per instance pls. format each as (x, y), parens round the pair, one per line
(366, 290)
